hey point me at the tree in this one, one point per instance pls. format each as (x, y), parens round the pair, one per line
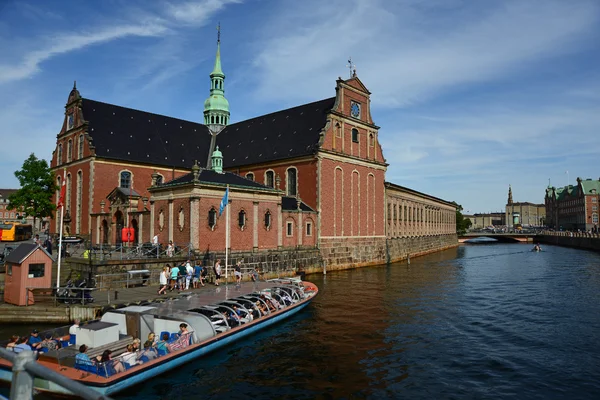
(462, 223)
(37, 186)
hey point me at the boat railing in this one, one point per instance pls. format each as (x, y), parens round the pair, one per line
(25, 369)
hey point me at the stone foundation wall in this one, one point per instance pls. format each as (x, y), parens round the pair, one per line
(578, 240)
(400, 248)
(347, 253)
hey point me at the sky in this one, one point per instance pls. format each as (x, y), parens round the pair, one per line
(471, 96)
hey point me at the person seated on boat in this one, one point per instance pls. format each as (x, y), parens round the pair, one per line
(183, 329)
(183, 341)
(49, 343)
(22, 345)
(162, 345)
(262, 308)
(233, 319)
(152, 338)
(286, 298)
(255, 312)
(34, 340)
(269, 303)
(148, 354)
(130, 356)
(113, 366)
(83, 358)
(14, 340)
(274, 302)
(73, 330)
(136, 344)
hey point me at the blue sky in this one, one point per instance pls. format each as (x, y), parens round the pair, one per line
(471, 96)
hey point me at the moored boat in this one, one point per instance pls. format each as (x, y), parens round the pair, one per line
(213, 320)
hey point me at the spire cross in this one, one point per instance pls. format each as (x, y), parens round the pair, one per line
(351, 66)
(219, 33)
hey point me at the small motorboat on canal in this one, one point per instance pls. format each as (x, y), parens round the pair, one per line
(214, 319)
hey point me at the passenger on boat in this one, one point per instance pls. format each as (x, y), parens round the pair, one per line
(269, 303)
(286, 298)
(161, 345)
(255, 312)
(148, 354)
(14, 340)
(136, 344)
(183, 329)
(73, 330)
(22, 345)
(262, 307)
(49, 343)
(183, 341)
(34, 340)
(116, 365)
(130, 356)
(83, 358)
(152, 338)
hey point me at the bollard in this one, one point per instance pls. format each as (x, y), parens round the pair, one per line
(21, 387)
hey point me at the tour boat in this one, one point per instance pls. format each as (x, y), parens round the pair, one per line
(214, 318)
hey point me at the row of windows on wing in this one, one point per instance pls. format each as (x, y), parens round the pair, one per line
(212, 222)
(291, 180)
(59, 157)
(125, 179)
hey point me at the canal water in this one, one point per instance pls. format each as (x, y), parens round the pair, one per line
(479, 321)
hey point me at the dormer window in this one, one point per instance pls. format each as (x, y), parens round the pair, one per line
(125, 180)
(250, 176)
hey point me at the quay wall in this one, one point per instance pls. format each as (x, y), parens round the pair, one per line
(401, 248)
(585, 241)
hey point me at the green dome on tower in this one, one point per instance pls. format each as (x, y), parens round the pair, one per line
(216, 107)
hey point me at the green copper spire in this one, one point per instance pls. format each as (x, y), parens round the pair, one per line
(216, 107)
(217, 161)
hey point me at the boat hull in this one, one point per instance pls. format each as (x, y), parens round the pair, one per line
(164, 364)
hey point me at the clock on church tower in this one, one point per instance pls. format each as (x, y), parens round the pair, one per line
(355, 109)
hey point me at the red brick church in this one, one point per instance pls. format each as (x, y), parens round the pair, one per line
(302, 177)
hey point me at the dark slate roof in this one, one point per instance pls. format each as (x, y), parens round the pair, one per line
(214, 178)
(283, 134)
(18, 255)
(131, 135)
(4, 193)
(291, 204)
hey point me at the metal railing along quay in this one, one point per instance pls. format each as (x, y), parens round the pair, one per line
(124, 252)
(25, 369)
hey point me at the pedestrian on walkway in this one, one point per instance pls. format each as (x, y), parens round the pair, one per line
(163, 281)
(217, 271)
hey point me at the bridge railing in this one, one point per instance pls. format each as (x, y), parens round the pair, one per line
(25, 368)
(571, 234)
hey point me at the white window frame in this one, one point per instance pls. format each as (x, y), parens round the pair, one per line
(289, 228)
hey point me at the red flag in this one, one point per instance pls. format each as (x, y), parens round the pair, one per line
(63, 191)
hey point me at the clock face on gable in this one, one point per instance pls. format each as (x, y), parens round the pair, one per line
(355, 109)
(70, 121)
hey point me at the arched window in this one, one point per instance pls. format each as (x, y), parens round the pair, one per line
(355, 135)
(69, 150)
(250, 176)
(291, 183)
(270, 179)
(371, 140)
(181, 219)
(80, 149)
(68, 194)
(59, 157)
(242, 219)
(212, 218)
(159, 180)
(268, 220)
(125, 181)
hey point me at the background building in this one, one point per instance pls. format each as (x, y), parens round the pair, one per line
(7, 215)
(524, 213)
(485, 220)
(573, 207)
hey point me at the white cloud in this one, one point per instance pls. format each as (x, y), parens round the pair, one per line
(198, 12)
(64, 43)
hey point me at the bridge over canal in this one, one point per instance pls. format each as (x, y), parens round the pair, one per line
(500, 237)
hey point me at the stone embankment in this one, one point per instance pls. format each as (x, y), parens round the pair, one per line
(587, 241)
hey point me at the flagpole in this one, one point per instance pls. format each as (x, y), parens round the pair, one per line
(60, 234)
(226, 236)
